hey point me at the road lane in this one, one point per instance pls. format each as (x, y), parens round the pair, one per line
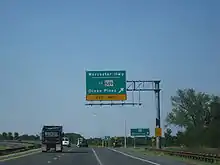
(109, 157)
(76, 156)
(80, 156)
(87, 156)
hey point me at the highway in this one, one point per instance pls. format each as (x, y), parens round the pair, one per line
(83, 156)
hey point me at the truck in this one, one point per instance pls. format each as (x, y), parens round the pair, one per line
(81, 142)
(51, 138)
(117, 143)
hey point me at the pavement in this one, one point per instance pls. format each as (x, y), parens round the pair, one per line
(83, 156)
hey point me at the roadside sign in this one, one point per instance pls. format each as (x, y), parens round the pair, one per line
(106, 85)
(140, 132)
(158, 132)
(107, 137)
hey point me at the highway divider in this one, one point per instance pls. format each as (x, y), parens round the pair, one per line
(206, 157)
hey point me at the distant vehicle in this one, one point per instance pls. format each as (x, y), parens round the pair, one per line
(52, 138)
(66, 142)
(81, 142)
(117, 143)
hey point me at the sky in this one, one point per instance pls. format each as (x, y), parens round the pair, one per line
(46, 47)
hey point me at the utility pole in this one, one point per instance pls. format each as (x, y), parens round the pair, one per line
(157, 94)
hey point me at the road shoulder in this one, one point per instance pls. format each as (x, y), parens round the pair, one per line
(150, 158)
(19, 155)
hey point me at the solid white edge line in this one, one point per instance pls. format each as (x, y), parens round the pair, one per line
(134, 157)
(96, 156)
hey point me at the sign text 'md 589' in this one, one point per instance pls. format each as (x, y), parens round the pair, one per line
(105, 85)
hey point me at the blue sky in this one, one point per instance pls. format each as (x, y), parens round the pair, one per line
(46, 46)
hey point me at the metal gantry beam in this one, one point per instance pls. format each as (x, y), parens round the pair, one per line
(140, 85)
(111, 104)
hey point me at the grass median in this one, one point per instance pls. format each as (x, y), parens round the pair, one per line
(161, 154)
(3, 148)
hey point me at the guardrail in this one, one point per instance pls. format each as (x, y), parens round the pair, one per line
(18, 149)
(207, 157)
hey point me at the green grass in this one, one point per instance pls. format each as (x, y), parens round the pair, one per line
(3, 147)
(197, 150)
(160, 154)
(31, 141)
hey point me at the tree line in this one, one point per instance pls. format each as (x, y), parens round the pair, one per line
(16, 136)
(198, 115)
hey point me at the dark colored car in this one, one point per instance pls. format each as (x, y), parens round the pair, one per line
(83, 143)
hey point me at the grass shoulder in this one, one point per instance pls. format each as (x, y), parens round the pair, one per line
(161, 154)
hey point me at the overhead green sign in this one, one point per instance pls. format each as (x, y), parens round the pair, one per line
(106, 85)
(140, 132)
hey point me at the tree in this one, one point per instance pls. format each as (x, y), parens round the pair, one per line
(10, 136)
(213, 122)
(189, 109)
(24, 137)
(1, 137)
(199, 114)
(5, 135)
(180, 138)
(16, 135)
(73, 137)
(168, 137)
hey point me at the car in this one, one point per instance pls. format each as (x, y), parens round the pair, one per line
(66, 142)
(84, 144)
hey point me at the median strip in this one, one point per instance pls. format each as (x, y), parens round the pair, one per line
(19, 155)
(17, 149)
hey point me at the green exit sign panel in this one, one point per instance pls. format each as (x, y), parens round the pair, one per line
(106, 85)
(107, 137)
(140, 132)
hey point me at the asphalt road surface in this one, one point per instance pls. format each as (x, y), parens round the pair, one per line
(82, 156)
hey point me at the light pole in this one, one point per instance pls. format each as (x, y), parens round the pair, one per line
(100, 130)
(95, 115)
(125, 138)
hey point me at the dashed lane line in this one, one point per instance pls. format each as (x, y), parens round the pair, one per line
(96, 156)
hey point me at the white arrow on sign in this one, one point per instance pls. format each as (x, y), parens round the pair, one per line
(121, 90)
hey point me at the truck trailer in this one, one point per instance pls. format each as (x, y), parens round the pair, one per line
(51, 138)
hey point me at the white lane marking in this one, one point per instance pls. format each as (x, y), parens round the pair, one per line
(96, 156)
(55, 158)
(134, 157)
(48, 161)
